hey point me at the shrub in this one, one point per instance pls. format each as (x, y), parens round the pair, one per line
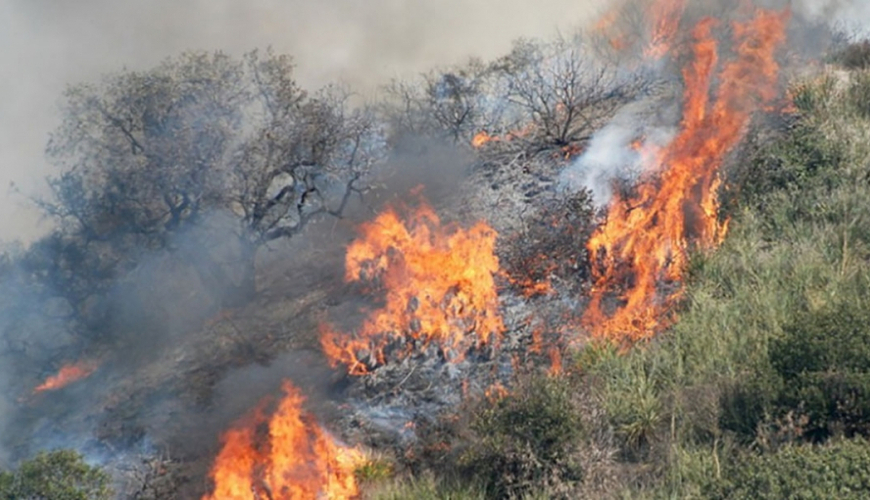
(824, 360)
(425, 488)
(854, 56)
(527, 440)
(375, 469)
(56, 475)
(839, 470)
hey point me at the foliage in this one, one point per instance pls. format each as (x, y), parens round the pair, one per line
(375, 469)
(145, 157)
(527, 440)
(769, 349)
(56, 475)
(838, 470)
(824, 360)
(425, 488)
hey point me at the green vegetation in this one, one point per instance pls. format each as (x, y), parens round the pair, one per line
(840, 470)
(56, 475)
(526, 440)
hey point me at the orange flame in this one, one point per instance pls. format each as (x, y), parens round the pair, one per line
(666, 15)
(297, 460)
(439, 282)
(646, 237)
(67, 375)
(482, 138)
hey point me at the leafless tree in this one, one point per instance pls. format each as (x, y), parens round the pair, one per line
(563, 90)
(453, 103)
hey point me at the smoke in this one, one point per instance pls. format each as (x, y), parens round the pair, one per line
(613, 155)
(51, 43)
(616, 151)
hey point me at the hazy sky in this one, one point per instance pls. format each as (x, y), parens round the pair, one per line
(47, 44)
(50, 43)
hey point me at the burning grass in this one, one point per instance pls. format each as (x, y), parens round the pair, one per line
(283, 456)
(439, 286)
(646, 238)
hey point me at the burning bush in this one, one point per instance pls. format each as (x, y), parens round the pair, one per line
(646, 238)
(551, 248)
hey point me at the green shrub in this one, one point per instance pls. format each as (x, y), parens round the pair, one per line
(824, 360)
(526, 441)
(56, 475)
(425, 488)
(838, 470)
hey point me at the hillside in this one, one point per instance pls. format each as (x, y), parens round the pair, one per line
(627, 264)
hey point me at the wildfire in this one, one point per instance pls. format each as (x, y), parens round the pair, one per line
(440, 288)
(646, 237)
(666, 15)
(67, 375)
(482, 138)
(292, 458)
(661, 31)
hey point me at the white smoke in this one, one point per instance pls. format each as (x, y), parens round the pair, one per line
(612, 153)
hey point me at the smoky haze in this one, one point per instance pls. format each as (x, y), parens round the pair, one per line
(48, 44)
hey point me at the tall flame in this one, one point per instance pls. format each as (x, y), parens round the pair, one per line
(67, 375)
(665, 15)
(662, 27)
(296, 460)
(646, 237)
(439, 282)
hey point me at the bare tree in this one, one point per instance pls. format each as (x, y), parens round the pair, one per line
(453, 103)
(563, 90)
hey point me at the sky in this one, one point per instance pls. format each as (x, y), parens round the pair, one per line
(48, 44)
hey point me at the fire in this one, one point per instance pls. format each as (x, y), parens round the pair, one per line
(292, 458)
(666, 15)
(646, 237)
(67, 375)
(605, 26)
(663, 17)
(482, 138)
(440, 289)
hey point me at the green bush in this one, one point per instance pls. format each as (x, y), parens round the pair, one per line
(824, 361)
(56, 475)
(838, 470)
(526, 441)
